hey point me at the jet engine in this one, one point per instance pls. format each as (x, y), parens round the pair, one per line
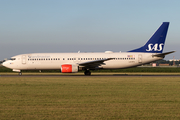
(69, 68)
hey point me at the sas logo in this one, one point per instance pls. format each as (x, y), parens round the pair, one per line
(155, 47)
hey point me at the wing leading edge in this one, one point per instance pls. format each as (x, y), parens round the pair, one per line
(94, 64)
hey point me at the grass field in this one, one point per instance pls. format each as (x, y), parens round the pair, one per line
(90, 97)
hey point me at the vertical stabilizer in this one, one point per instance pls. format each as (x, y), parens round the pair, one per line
(156, 43)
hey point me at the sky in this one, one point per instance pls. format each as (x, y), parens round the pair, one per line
(37, 26)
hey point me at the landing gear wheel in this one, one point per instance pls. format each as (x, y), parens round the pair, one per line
(20, 73)
(87, 72)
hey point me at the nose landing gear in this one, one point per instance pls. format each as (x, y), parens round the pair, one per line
(20, 73)
(87, 72)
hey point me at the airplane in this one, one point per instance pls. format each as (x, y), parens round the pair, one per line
(74, 62)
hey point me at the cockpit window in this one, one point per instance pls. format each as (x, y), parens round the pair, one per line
(1, 61)
(13, 59)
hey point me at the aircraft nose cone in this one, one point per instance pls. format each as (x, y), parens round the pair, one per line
(5, 64)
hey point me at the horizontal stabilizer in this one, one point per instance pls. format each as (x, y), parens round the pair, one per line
(163, 54)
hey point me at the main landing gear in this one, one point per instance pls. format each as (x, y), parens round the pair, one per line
(87, 72)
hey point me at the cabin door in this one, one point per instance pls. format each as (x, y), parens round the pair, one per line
(23, 59)
(140, 58)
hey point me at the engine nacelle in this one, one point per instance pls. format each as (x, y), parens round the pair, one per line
(69, 68)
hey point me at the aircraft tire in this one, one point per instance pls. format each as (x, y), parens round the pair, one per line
(87, 73)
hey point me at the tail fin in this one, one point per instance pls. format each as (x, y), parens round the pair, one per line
(156, 43)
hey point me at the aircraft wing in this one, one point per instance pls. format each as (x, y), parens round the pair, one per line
(162, 54)
(95, 63)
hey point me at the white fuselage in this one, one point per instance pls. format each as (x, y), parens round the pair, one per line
(73, 62)
(52, 61)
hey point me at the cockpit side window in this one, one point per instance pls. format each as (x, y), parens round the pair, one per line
(13, 59)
